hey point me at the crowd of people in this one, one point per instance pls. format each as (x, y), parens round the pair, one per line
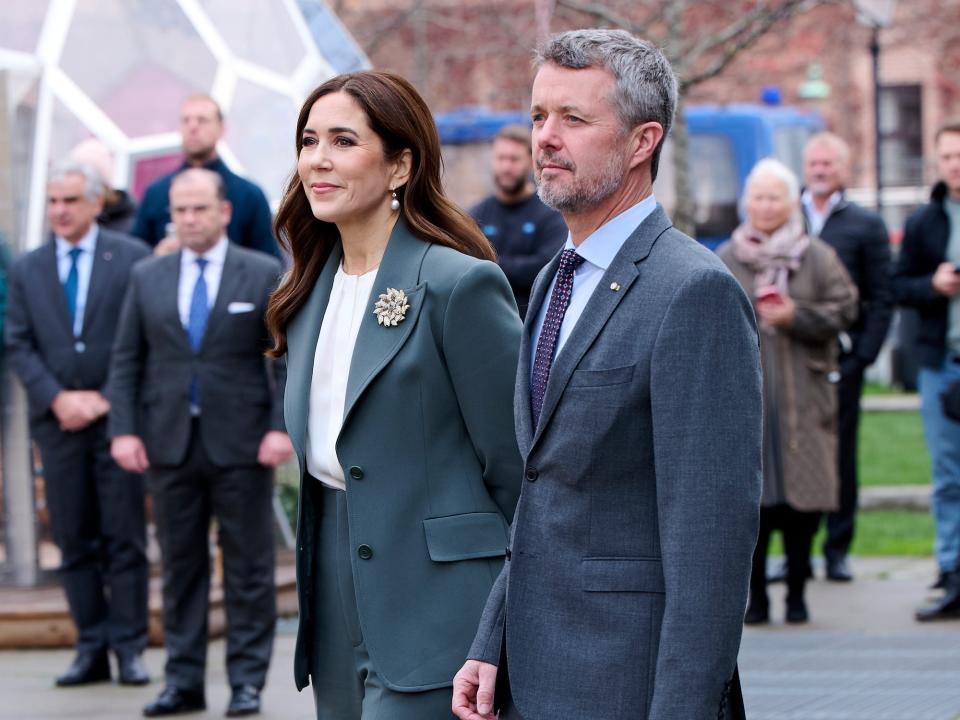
(519, 481)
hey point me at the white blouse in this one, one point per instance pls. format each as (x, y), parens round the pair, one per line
(349, 301)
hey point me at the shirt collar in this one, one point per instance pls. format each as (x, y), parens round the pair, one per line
(88, 243)
(214, 256)
(216, 165)
(603, 244)
(807, 200)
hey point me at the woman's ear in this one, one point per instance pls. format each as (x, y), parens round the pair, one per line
(402, 167)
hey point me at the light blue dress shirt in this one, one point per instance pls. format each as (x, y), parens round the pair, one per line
(598, 250)
(88, 244)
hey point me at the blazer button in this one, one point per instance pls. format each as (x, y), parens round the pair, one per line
(356, 472)
(365, 552)
(532, 474)
(80, 346)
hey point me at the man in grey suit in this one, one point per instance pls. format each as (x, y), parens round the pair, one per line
(64, 301)
(198, 408)
(638, 413)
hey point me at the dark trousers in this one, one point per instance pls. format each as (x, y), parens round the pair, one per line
(97, 521)
(840, 524)
(185, 498)
(798, 529)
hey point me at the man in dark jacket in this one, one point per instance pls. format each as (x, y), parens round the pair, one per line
(62, 310)
(860, 238)
(525, 232)
(927, 277)
(201, 127)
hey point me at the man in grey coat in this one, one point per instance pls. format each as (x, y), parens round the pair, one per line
(638, 412)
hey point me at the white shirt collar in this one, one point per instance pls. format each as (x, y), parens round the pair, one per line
(88, 243)
(215, 255)
(807, 200)
(602, 245)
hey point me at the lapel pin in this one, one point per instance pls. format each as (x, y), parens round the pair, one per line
(391, 308)
(615, 286)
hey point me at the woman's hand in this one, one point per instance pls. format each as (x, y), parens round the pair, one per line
(779, 314)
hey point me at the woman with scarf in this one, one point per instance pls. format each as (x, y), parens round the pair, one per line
(804, 299)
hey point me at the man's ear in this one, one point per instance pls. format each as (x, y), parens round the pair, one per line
(644, 140)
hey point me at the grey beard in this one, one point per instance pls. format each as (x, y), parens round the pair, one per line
(584, 193)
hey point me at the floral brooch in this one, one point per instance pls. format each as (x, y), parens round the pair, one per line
(391, 308)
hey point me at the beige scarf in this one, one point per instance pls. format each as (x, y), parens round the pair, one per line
(771, 257)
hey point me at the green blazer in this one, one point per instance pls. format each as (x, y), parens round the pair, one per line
(429, 454)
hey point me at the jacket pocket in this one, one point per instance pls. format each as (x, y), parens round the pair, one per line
(644, 575)
(466, 536)
(598, 378)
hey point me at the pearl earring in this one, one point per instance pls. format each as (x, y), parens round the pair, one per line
(394, 203)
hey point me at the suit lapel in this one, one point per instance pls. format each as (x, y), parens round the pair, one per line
(302, 334)
(50, 277)
(99, 278)
(377, 344)
(522, 411)
(624, 271)
(232, 279)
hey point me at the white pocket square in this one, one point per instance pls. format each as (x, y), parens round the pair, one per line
(235, 308)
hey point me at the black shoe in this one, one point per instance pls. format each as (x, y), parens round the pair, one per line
(88, 667)
(838, 569)
(797, 611)
(174, 701)
(757, 614)
(245, 700)
(947, 607)
(941, 582)
(131, 669)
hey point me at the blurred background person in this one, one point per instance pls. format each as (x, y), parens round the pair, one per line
(119, 210)
(196, 408)
(804, 298)
(63, 305)
(927, 278)
(201, 127)
(525, 232)
(860, 238)
(402, 343)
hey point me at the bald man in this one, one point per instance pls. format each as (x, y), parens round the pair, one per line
(198, 409)
(860, 238)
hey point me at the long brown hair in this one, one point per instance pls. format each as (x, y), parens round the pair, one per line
(401, 119)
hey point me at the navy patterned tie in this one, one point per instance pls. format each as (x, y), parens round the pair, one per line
(547, 343)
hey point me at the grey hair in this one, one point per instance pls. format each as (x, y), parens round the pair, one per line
(771, 167)
(93, 186)
(645, 86)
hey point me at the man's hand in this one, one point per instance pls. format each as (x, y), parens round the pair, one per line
(275, 449)
(473, 691)
(77, 409)
(778, 314)
(129, 453)
(946, 280)
(170, 244)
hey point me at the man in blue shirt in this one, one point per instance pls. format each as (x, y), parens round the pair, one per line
(62, 307)
(201, 127)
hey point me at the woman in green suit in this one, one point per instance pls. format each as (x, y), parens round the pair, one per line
(402, 341)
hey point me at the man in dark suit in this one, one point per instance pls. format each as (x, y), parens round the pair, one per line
(860, 238)
(201, 128)
(638, 413)
(63, 305)
(197, 407)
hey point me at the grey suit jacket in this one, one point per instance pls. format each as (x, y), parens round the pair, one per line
(241, 394)
(429, 453)
(624, 591)
(39, 336)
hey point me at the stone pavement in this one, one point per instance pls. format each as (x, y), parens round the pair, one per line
(861, 658)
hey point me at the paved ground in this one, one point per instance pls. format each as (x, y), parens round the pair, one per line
(861, 658)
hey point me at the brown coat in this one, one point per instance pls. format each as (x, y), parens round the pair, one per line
(802, 386)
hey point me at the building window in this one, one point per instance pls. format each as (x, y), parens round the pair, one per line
(901, 135)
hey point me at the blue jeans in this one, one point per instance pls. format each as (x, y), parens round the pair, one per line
(943, 441)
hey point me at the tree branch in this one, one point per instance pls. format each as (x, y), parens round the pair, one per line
(605, 15)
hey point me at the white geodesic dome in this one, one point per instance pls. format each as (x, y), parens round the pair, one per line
(118, 70)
